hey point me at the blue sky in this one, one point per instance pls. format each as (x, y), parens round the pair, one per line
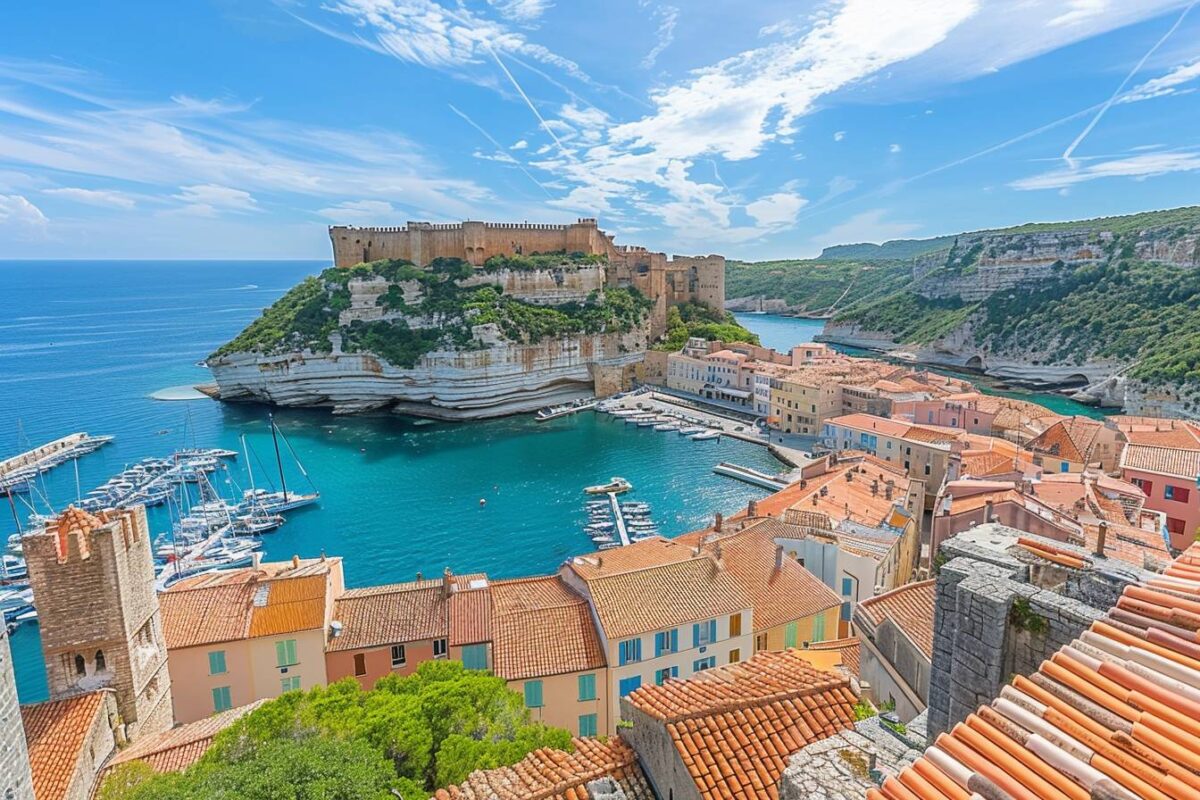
(242, 128)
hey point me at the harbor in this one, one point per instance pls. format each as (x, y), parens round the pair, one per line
(19, 473)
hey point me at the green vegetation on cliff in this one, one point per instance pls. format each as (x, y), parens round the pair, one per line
(815, 286)
(691, 319)
(896, 249)
(534, 261)
(405, 738)
(307, 315)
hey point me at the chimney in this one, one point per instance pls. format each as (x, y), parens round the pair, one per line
(874, 488)
(987, 511)
(778, 557)
(420, 577)
(752, 508)
(849, 475)
(814, 499)
(717, 522)
(256, 559)
(295, 562)
(1101, 537)
(447, 580)
(803, 483)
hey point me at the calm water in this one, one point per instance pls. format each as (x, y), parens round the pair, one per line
(83, 344)
(781, 333)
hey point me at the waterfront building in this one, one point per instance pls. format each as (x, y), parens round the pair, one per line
(548, 650)
(595, 769)
(1073, 444)
(16, 778)
(896, 634)
(93, 582)
(69, 740)
(729, 732)
(1163, 459)
(963, 414)
(237, 636)
(663, 610)
(924, 453)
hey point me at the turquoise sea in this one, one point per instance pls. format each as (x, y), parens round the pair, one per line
(84, 344)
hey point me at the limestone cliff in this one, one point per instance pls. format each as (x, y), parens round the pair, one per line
(449, 342)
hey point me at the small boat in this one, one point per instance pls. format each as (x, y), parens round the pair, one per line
(635, 506)
(258, 523)
(14, 569)
(667, 426)
(705, 436)
(275, 502)
(691, 429)
(648, 422)
(602, 538)
(614, 486)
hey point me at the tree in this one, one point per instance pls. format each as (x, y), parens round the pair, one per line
(409, 734)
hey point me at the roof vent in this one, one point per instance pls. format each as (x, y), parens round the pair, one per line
(261, 595)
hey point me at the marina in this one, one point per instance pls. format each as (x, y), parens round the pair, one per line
(18, 473)
(554, 412)
(616, 523)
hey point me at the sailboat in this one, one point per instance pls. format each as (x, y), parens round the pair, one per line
(277, 502)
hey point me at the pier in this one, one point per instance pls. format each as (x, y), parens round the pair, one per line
(619, 518)
(752, 476)
(20, 468)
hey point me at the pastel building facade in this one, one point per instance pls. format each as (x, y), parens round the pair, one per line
(1165, 464)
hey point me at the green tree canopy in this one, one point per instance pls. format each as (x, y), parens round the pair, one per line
(408, 735)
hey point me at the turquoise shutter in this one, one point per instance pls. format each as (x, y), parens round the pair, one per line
(696, 634)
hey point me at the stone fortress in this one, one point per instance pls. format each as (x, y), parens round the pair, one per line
(667, 281)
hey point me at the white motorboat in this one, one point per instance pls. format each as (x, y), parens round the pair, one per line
(705, 436)
(691, 429)
(615, 485)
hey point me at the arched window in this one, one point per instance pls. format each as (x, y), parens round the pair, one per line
(99, 661)
(80, 669)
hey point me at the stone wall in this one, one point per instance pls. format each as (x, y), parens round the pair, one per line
(980, 641)
(16, 781)
(657, 755)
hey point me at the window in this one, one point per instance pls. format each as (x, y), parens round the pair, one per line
(474, 656)
(662, 675)
(285, 653)
(216, 663)
(221, 699)
(80, 667)
(291, 683)
(790, 634)
(533, 694)
(847, 611)
(818, 634)
(735, 624)
(1176, 526)
(666, 642)
(629, 651)
(927, 469)
(1065, 466)
(99, 661)
(701, 664)
(627, 685)
(587, 724)
(847, 587)
(704, 633)
(398, 659)
(760, 642)
(1177, 493)
(735, 655)
(439, 648)
(587, 687)
(360, 664)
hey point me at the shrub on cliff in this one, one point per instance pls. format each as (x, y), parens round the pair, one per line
(299, 317)
(692, 319)
(407, 736)
(534, 261)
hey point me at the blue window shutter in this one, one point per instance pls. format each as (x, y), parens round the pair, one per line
(637, 649)
(675, 638)
(712, 630)
(696, 634)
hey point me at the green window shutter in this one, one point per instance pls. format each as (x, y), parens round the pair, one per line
(789, 635)
(291, 652)
(587, 687)
(587, 725)
(281, 654)
(474, 656)
(818, 634)
(221, 699)
(533, 694)
(216, 662)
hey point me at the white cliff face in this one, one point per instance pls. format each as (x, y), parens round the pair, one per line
(499, 379)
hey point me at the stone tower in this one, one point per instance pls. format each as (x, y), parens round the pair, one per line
(93, 584)
(16, 779)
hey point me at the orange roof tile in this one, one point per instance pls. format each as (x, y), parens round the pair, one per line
(1070, 439)
(57, 731)
(540, 627)
(180, 747)
(1172, 461)
(549, 774)
(910, 609)
(470, 610)
(734, 727)
(848, 647)
(392, 614)
(867, 422)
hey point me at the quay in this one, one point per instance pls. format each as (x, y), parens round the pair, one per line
(50, 455)
(752, 476)
(619, 518)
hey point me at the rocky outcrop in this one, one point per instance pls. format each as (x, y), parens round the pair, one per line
(495, 380)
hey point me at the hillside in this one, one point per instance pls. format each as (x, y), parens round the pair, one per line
(902, 249)
(1111, 305)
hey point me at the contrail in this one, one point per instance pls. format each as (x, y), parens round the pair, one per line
(499, 147)
(1115, 95)
(528, 102)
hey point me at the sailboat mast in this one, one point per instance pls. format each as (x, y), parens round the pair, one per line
(249, 466)
(278, 460)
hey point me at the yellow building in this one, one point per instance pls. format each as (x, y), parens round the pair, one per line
(244, 635)
(924, 453)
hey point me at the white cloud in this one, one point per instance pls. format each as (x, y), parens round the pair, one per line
(360, 212)
(1146, 165)
(779, 209)
(839, 135)
(869, 226)
(520, 144)
(208, 198)
(21, 218)
(94, 197)
(1164, 84)
(668, 18)
(1079, 11)
(894, 148)
(523, 11)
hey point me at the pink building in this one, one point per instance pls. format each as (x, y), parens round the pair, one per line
(1165, 464)
(962, 415)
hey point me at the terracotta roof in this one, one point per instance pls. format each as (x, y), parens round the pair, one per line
(665, 596)
(180, 747)
(735, 726)
(57, 731)
(540, 627)
(848, 647)
(650, 552)
(549, 774)
(1114, 713)
(470, 611)
(1162, 460)
(779, 595)
(1182, 434)
(910, 609)
(1071, 439)
(238, 604)
(392, 614)
(867, 422)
